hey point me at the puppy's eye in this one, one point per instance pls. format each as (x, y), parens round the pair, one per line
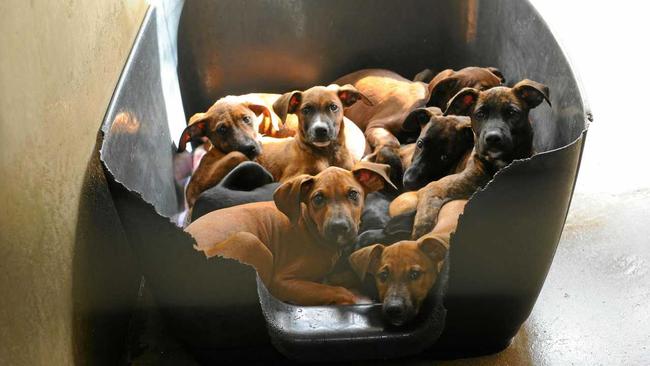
(306, 110)
(414, 274)
(222, 129)
(383, 275)
(443, 157)
(247, 120)
(333, 107)
(480, 114)
(511, 112)
(354, 196)
(419, 143)
(318, 199)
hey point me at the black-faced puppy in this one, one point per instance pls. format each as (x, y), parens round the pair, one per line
(231, 126)
(503, 133)
(406, 271)
(443, 144)
(320, 140)
(295, 241)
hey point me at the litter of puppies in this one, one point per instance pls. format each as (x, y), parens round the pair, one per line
(318, 189)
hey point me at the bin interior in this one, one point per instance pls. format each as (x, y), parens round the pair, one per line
(276, 46)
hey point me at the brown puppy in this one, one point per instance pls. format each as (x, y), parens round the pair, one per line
(394, 97)
(288, 125)
(405, 271)
(232, 129)
(294, 242)
(441, 149)
(449, 82)
(503, 133)
(320, 141)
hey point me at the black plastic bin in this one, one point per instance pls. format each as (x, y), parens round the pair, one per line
(505, 240)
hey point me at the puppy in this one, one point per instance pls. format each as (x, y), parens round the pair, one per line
(503, 133)
(441, 149)
(405, 271)
(231, 127)
(394, 97)
(294, 241)
(320, 141)
(449, 82)
(286, 125)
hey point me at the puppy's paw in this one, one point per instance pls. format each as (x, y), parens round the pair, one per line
(362, 300)
(343, 296)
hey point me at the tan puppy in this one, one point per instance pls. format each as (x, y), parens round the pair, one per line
(287, 125)
(294, 241)
(231, 127)
(320, 141)
(404, 272)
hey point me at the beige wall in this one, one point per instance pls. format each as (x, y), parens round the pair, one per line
(59, 63)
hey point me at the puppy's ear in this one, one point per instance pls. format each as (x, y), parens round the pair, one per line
(267, 125)
(532, 92)
(497, 73)
(260, 109)
(464, 127)
(197, 127)
(434, 246)
(288, 103)
(424, 76)
(463, 102)
(289, 196)
(418, 118)
(349, 95)
(372, 176)
(366, 260)
(440, 87)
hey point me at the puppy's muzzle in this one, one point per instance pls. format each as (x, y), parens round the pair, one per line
(412, 178)
(320, 134)
(397, 310)
(340, 231)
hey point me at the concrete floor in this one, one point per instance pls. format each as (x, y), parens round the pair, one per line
(594, 308)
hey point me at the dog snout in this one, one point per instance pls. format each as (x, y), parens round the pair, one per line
(321, 132)
(494, 138)
(340, 230)
(251, 150)
(411, 181)
(396, 311)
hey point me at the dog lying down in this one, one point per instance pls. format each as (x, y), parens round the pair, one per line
(294, 241)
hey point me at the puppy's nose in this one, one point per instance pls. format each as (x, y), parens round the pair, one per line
(493, 138)
(410, 180)
(395, 310)
(320, 131)
(249, 150)
(338, 228)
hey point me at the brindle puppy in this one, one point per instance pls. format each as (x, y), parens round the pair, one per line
(503, 133)
(441, 149)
